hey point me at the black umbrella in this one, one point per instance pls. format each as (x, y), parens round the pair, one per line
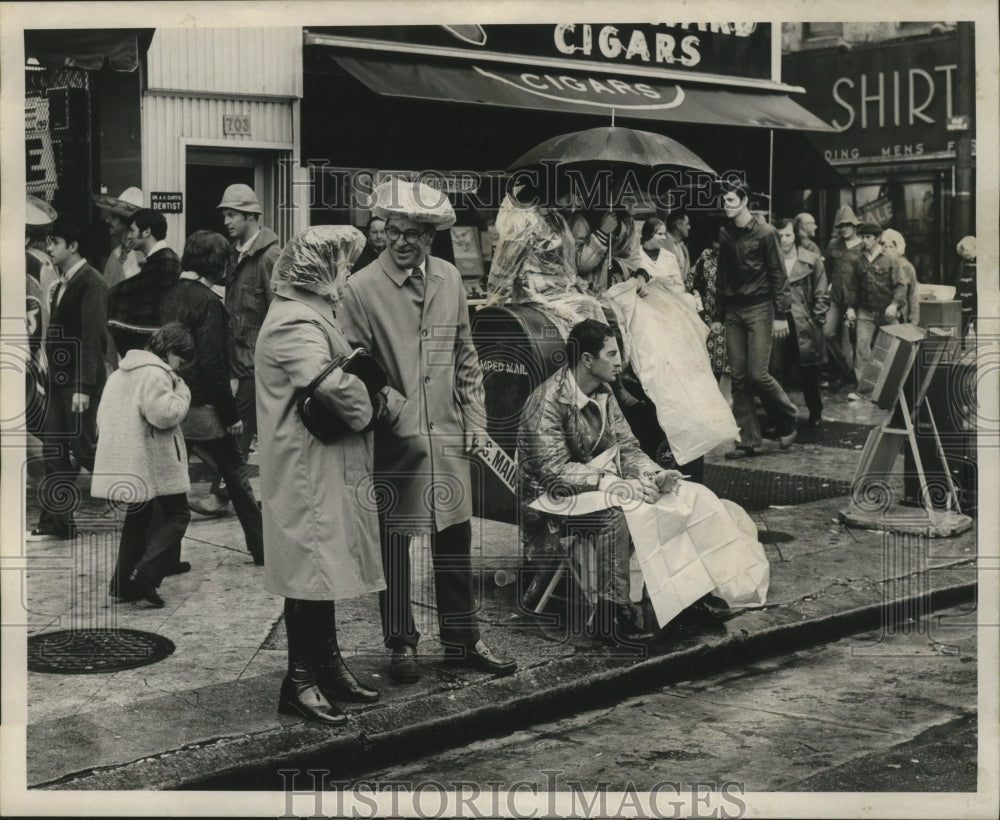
(610, 147)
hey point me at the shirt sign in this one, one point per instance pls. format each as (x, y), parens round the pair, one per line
(169, 202)
(892, 102)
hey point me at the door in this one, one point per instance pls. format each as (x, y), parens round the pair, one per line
(209, 172)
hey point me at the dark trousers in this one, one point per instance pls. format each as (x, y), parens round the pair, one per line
(246, 404)
(152, 544)
(748, 346)
(783, 355)
(450, 553)
(64, 432)
(226, 458)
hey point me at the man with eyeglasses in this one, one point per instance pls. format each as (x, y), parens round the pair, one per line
(409, 310)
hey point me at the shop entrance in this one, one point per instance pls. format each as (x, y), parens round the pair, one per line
(209, 172)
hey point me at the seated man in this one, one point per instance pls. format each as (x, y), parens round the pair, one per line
(566, 422)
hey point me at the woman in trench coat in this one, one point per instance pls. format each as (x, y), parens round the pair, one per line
(321, 541)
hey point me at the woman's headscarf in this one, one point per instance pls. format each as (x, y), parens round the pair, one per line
(319, 259)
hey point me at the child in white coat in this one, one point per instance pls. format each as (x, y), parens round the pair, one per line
(141, 460)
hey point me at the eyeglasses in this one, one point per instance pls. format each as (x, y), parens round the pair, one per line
(410, 237)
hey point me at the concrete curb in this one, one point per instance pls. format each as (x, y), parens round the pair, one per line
(384, 734)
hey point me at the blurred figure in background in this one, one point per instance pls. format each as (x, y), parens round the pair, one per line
(810, 302)
(678, 228)
(375, 243)
(213, 425)
(702, 283)
(966, 282)
(805, 232)
(843, 265)
(881, 293)
(657, 261)
(895, 246)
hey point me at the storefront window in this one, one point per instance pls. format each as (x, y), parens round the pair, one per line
(912, 208)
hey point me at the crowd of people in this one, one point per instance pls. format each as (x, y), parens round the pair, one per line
(160, 357)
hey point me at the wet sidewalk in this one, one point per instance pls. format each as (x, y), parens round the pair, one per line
(205, 716)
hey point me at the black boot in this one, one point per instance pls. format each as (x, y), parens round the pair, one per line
(335, 680)
(300, 694)
(616, 623)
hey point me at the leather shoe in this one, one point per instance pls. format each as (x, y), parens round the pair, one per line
(124, 592)
(742, 452)
(479, 656)
(145, 589)
(257, 555)
(337, 682)
(210, 505)
(403, 667)
(179, 568)
(303, 698)
(48, 534)
(786, 440)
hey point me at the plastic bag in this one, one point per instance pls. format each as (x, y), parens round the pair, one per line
(319, 259)
(534, 256)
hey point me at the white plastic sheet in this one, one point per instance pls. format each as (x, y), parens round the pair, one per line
(690, 544)
(669, 356)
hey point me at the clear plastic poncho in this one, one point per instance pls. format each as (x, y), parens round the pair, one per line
(535, 254)
(319, 259)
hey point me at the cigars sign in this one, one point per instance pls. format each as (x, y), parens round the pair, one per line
(733, 49)
(892, 102)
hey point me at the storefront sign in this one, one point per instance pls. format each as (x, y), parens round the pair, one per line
(886, 102)
(39, 158)
(167, 202)
(878, 210)
(236, 125)
(733, 49)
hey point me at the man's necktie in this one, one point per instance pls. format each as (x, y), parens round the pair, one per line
(417, 280)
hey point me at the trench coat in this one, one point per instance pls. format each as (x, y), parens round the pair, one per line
(425, 346)
(321, 539)
(810, 302)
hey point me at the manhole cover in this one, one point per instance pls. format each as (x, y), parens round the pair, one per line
(759, 489)
(93, 651)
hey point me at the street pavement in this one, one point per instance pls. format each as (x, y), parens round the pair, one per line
(205, 716)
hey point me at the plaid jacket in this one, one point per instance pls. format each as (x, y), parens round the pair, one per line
(134, 304)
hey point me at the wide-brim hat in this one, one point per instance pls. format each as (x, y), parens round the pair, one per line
(130, 201)
(38, 212)
(414, 200)
(240, 197)
(845, 215)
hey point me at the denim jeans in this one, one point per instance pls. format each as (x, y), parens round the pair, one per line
(838, 342)
(748, 346)
(868, 325)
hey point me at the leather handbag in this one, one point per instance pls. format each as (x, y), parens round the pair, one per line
(322, 422)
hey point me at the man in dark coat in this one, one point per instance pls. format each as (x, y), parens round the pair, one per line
(134, 304)
(255, 249)
(75, 344)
